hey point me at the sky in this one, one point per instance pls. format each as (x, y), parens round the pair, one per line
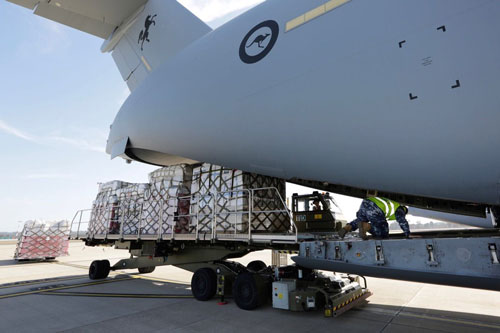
(58, 96)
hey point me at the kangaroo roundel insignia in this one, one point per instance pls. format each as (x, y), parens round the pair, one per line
(259, 42)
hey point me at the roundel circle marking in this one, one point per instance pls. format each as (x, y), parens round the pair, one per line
(259, 41)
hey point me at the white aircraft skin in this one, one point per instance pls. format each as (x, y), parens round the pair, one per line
(398, 96)
(331, 101)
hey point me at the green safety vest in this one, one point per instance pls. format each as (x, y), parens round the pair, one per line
(387, 206)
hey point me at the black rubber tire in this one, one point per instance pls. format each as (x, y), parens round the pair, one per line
(146, 270)
(99, 269)
(256, 266)
(94, 270)
(204, 284)
(248, 291)
(106, 268)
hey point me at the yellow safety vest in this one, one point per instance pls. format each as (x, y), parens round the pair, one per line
(387, 206)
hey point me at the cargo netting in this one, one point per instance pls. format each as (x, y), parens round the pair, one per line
(183, 199)
(41, 240)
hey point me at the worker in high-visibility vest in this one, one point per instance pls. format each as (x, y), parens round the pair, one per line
(372, 217)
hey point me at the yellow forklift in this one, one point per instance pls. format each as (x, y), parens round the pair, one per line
(316, 212)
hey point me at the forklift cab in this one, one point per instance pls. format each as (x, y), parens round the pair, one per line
(316, 212)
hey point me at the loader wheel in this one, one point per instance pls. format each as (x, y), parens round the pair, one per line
(146, 270)
(256, 266)
(99, 269)
(204, 284)
(249, 291)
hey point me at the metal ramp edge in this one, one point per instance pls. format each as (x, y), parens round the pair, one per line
(462, 262)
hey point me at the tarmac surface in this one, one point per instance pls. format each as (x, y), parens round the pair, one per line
(57, 296)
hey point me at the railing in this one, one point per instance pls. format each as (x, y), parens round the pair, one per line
(231, 215)
(80, 220)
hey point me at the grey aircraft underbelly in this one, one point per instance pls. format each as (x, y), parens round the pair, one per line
(391, 96)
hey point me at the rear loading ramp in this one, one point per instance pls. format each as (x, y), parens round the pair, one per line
(463, 262)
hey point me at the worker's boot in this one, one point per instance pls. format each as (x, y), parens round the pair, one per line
(345, 230)
(364, 227)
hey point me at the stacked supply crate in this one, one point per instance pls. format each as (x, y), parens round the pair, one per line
(116, 201)
(129, 205)
(39, 240)
(224, 193)
(184, 199)
(168, 201)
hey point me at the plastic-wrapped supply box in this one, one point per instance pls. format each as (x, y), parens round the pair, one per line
(127, 207)
(175, 174)
(116, 199)
(168, 201)
(41, 240)
(233, 201)
(141, 207)
(179, 196)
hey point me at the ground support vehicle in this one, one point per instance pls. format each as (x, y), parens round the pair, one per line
(467, 258)
(326, 217)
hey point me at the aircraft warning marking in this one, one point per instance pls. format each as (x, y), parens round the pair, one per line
(259, 41)
(314, 13)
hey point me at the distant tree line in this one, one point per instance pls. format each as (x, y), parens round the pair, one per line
(427, 225)
(8, 235)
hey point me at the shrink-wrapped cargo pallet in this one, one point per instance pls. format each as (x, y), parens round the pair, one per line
(39, 240)
(116, 200)
(233, 201)
(144, 208)
(168, 201)
(179, 196)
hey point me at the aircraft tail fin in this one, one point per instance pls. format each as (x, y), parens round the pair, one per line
(141, 34)
(159, 31)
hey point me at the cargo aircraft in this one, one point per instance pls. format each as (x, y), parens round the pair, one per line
(397, 98)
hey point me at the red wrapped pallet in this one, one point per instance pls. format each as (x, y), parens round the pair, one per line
(42, 240)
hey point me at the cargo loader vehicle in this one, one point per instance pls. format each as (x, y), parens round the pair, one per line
(202, 232)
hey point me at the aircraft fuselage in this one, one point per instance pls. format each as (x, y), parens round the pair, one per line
(398, 96)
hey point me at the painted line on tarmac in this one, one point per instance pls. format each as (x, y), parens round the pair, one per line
(136, 276)
(40, 281)
(430, 317)
(84, 294)
(71, 265)
(19, 264)
(450, 320)
(61, 287)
